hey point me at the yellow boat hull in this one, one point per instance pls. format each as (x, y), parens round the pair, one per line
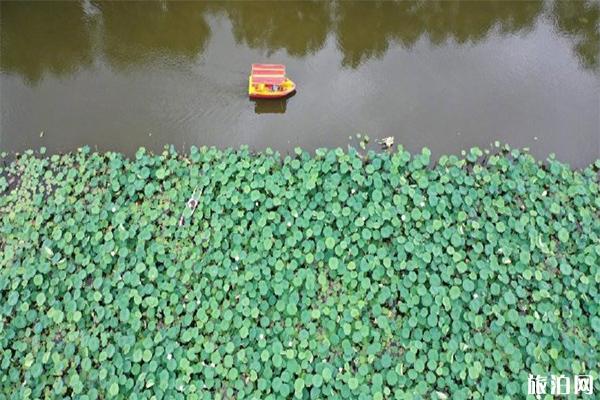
(262, 91)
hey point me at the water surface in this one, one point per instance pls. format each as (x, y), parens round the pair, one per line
(446, 75)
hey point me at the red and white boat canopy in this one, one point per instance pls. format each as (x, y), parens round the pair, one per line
(270, 74)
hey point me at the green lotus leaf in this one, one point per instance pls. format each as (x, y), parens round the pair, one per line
(325, 276)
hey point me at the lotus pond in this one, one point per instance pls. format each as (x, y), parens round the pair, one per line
(326, 275)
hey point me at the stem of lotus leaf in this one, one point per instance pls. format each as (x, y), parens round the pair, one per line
(192, 203)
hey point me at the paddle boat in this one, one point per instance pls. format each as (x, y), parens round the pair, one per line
(268, 81)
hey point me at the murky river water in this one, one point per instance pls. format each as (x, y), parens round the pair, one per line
(446, 75)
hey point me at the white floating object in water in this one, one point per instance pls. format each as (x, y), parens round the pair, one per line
(387, 142)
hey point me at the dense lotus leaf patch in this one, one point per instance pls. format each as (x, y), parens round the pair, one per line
(337, 275)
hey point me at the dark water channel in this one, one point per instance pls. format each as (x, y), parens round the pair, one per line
(446, 75)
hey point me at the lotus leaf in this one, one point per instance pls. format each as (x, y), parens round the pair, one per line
(230, 274)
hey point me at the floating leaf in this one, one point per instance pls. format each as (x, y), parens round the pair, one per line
(229, 274)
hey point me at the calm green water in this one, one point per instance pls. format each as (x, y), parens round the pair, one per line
(446, 75)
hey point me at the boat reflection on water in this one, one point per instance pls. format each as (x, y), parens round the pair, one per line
(271, 106)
